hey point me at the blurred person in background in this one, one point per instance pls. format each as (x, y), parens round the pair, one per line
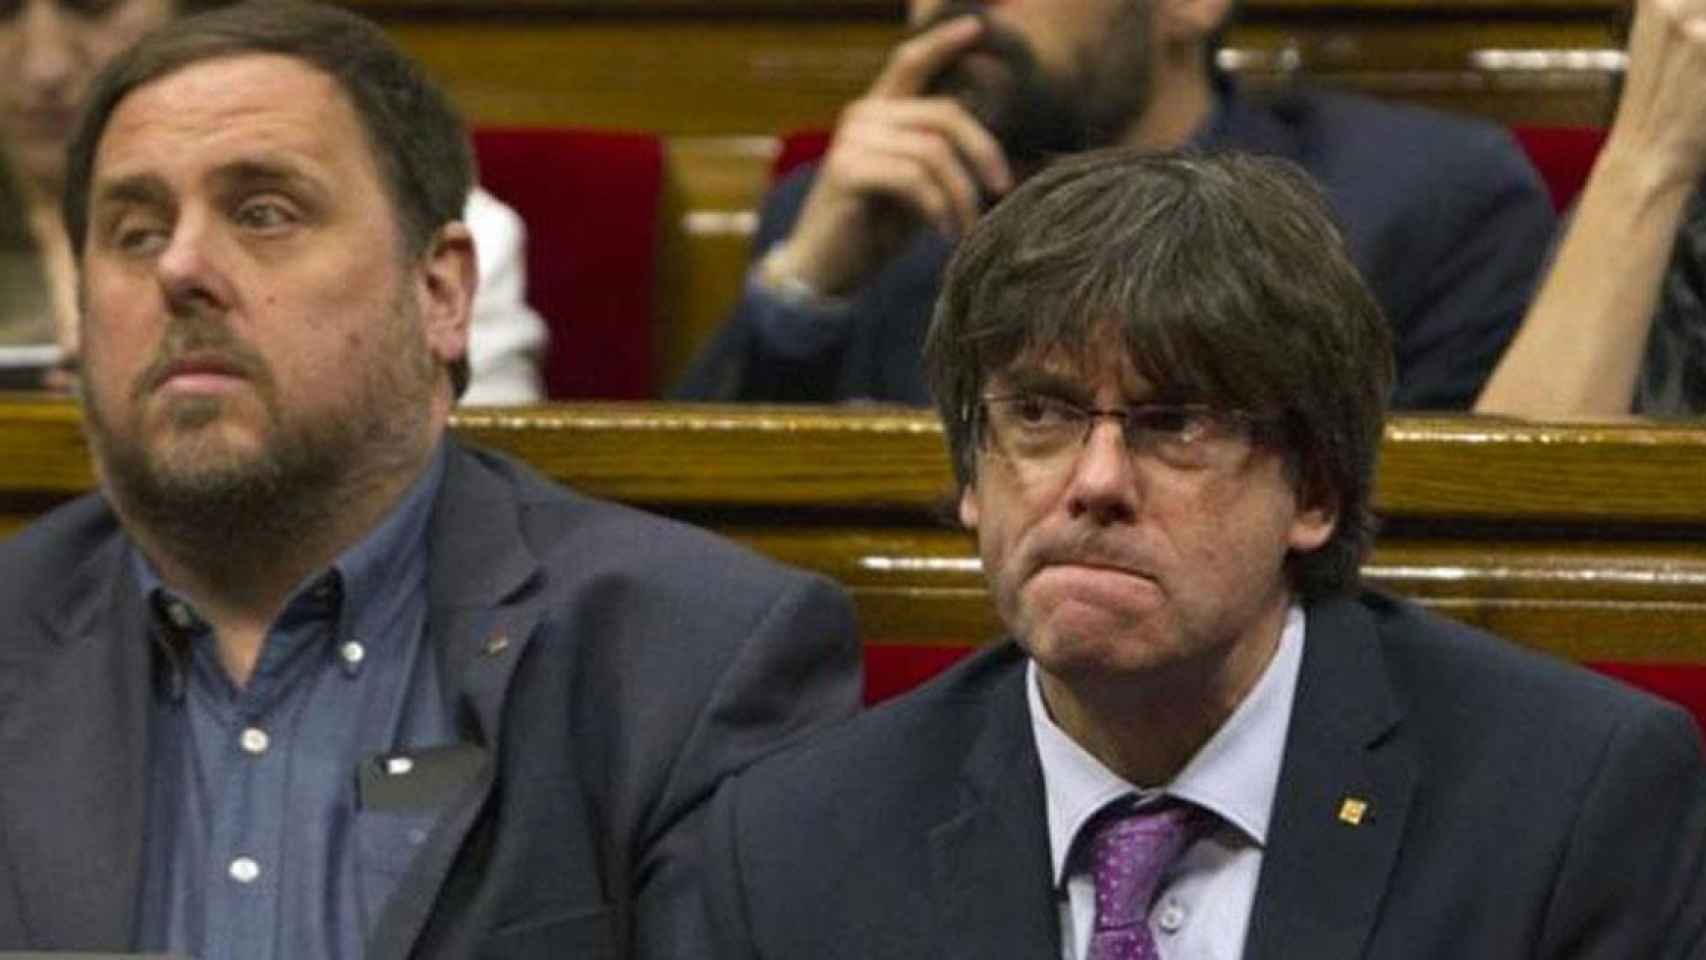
(1619, 326)
(1444, 216)
(50, 51)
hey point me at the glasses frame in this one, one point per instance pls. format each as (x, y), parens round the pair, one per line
(1226, 424)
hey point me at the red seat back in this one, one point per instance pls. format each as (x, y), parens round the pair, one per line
(1563, 155)
(590, 200)
(798, 149)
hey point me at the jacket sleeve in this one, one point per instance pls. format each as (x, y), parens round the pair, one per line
(1633, 879)
(798, 671)
(744, 362)
(1484, 230)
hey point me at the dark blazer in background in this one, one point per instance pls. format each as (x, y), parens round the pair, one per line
(1443, 215)
(1517, 807)
(612, 666)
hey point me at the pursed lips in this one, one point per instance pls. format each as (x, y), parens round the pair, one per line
(199, 370)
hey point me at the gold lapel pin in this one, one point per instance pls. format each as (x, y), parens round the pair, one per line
(495, 644)
(1352, 810)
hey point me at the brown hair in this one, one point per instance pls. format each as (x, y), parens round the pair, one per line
(417, 137)
(1229, 285)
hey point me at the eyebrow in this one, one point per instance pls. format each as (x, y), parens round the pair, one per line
(144, 190)
(1029, 379)
(264, 173)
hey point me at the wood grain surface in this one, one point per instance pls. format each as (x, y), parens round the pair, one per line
(1588, 540)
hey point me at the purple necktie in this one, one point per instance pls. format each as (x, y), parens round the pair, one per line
(1129, 851)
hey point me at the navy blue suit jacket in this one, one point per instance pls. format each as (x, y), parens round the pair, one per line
(1517, 807)
(1444, 216)
(644, 661)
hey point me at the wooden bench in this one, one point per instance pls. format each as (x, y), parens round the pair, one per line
(1587, 541)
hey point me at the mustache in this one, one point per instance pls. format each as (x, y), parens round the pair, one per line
(997, 38)
(192, 337)
(1028, 114)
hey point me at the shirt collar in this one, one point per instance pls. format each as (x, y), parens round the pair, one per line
(390, 555)
(1235, 774)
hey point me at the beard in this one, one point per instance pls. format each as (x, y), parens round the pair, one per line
(196, 492)
(1033, 115)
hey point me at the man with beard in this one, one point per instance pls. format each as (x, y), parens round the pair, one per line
(1163, 386)
(1440, 212)
(308, 677)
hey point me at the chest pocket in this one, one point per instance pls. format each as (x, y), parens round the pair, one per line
(386, 843)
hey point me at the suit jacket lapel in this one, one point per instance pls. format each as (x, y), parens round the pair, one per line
(481, 618)
(75, 748)
(1328, 860)
(990, 871)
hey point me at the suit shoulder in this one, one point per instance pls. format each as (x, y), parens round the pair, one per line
(37, 558)
(1344, 136)
(584, 540)
(904, 752)
(1535, 696)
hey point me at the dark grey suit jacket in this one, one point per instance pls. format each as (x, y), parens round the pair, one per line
(1518, 807)
(645, 661)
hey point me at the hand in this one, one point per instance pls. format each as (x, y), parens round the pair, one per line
(897, 158)
(1661, 120)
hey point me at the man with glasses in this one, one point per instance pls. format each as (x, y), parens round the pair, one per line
(1163, 386)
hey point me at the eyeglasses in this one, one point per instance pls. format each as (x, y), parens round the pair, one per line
(1045, 430)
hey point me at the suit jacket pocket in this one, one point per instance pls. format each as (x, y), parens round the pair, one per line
(580, 933)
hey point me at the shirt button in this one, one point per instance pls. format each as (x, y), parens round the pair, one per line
(1172, 917)
(352, 653)
(180, 615)
(255, 740)
(245, 870)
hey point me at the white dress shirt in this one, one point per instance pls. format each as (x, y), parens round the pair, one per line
(1202, 907)
(506, 338)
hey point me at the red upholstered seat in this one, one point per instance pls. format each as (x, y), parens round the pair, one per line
(1563, 155)
(798, 149)
(590, 200)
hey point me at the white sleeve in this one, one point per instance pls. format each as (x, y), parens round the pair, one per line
(506, 340)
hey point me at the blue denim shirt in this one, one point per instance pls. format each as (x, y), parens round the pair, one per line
(256, 845)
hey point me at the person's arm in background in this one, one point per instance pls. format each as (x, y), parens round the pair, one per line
(506, 338)
(1579, 350)
(897, 159)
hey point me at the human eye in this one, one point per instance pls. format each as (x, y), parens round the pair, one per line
(137, 234)
(265, 215)
(1041, 410)
(1177, 434)
(1181, 424)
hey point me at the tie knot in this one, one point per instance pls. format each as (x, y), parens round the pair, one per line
(1129, 849)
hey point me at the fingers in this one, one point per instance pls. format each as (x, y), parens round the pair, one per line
(919, 58)
(915, 167)
(936, 132)
(897, 155)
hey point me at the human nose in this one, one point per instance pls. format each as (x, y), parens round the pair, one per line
(1104, 481)
(189, 271)
(49, 54)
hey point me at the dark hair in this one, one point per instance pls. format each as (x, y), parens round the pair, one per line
(417, 137)
(1228, 284)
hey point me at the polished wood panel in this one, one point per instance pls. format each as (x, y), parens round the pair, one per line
(742, 76)
(1587, 540)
